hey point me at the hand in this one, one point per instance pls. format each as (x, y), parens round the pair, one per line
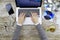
(34, 17)
(21, 18)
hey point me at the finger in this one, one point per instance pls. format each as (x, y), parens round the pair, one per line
(22, 14)
(32, 14)
(36, 14)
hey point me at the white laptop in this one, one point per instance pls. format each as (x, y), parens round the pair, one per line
(28, 20)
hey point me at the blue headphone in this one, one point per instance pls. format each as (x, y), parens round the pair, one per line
(48, 15)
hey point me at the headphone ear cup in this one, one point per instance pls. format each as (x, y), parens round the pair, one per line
(47, 17)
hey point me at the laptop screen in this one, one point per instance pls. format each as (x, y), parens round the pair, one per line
(28, 3)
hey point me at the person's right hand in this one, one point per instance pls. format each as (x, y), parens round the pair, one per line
(21, 18)
(34, 17)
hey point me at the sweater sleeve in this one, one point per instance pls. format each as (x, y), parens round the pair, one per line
(41, 32)
(16, 33)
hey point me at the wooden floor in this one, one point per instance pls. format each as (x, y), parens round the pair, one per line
(27, 32)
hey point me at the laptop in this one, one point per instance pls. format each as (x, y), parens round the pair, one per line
(28, 20)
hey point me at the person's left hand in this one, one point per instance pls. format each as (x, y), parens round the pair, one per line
(21, 18)
(34, 17)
